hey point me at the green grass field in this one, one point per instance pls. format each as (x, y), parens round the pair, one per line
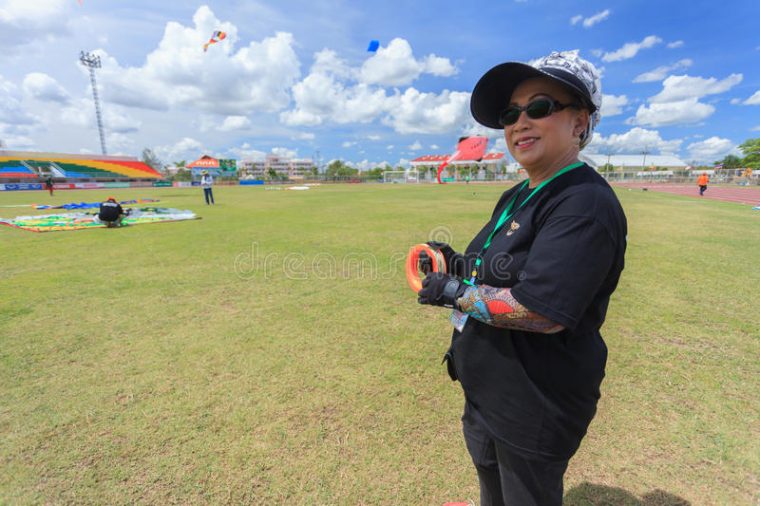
(271, 353)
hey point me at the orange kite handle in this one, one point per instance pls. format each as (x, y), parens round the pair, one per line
(412, 261)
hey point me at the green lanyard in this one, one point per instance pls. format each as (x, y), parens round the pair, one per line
(508, 214)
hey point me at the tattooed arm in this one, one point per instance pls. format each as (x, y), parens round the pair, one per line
(497, 307)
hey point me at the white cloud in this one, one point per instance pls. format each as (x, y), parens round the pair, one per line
(677, 88)
(576, 19)
(756, 129)
(323, 96)
(328, 94)
(119, 143)
(682, 112)
(635, 140)
(186, 149)
(435, 146)
(285, 152)
(660, 73)
(245, 152)
(678, 102)
(612, 105)
(596, 18)
(81, 113)
(416, 146)
(374, 137)
(390, 147)
(735, 101)
(12, 112)
(15, 141)
(711, 149)
(395, 65)
(675, 44)
(43, 87)
(116, 120)
(499, 145)
(348, 144)
(630, 49)
(254, 78)
(232, 123)
(754, 99)
(22, 21)
(416, 112)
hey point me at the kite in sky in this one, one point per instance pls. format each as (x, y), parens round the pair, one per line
(374, 45)
(217, 37)
(468, 148)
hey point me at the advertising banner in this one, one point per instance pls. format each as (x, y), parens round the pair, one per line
(251, 182)
(11, 187)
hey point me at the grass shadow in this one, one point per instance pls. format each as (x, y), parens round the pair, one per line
(589, 494)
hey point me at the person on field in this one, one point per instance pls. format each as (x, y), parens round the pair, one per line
(530, 292)
(49, 184)
(111, 213)
(207, 182)
(702, 181)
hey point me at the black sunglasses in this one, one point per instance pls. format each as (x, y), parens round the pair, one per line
(537, 109)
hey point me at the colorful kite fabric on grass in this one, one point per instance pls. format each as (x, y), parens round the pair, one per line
(92, 205)
(78, 221)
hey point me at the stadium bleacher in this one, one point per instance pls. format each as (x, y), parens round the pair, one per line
(15, 170)
(29, 165)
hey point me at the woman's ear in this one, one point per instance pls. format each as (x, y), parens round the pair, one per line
(581, 122)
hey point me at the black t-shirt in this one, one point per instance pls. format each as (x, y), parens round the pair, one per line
(562, 255)
(110, 211)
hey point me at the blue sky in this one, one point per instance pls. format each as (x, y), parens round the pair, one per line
(294, 77)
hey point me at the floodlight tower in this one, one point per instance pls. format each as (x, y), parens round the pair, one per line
(92, 62)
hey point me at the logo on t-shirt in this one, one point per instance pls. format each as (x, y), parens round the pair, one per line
(513, 228)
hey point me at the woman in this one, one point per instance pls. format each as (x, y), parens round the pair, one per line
(531, 291)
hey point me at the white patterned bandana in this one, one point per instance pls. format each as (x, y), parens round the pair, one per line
(585, 72)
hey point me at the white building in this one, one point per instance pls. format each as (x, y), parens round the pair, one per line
(292, 168)
(634, 162)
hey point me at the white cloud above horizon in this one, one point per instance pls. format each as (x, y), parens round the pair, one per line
(712, 149)
(754, 99)
(678, 102)
(661, 72)
(633, 141)
(631, 49)
(613, 105)
(591, 20)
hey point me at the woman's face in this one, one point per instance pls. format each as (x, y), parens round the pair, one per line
(544, 142)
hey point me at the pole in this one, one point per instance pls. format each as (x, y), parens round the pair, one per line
(92, 62)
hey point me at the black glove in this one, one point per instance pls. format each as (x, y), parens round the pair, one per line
(454, 261)
(440, 289)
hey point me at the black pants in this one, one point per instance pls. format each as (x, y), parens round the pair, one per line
(702, 188)
(507, 478)
(208, 194)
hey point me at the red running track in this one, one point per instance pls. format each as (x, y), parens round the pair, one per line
(739, 194)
